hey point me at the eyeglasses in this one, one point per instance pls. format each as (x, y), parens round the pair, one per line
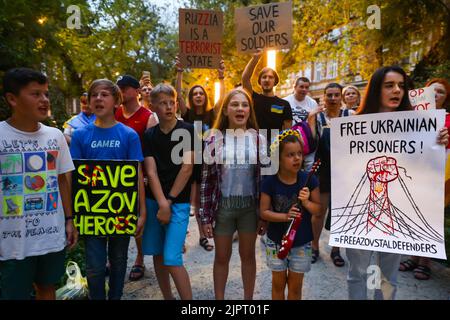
(146, 89)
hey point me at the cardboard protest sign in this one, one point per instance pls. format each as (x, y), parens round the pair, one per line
(266, 26)
(200, 38)
(387, 183)
(423, 98)
(105, 197)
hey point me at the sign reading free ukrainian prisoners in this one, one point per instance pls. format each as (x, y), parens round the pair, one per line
(387, 183)
(105, 197)
(200, 38)
(267, 26)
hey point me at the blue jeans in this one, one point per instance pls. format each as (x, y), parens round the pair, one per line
(96, 251)
(359, 261)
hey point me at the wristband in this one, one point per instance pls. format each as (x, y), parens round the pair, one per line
(171, 198)
(68, 218)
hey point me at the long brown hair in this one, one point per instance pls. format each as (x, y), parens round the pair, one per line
(222, 122)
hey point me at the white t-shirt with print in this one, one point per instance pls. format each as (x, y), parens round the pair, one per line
(300, 109)
(31, 213)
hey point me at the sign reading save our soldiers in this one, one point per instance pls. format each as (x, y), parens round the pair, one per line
(267, 26)
(105, 197)
(200, 41)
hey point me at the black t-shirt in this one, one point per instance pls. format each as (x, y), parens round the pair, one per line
(271, 112)
(207, 118)
(283, 196)
(158, 145)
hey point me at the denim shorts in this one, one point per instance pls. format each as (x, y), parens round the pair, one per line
(298, 259)
(166, 240)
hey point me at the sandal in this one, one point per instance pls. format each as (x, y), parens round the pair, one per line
(314, 255)
(407, 265)
(205, 244)
(337, 259)
(422, 272)
(137, 272)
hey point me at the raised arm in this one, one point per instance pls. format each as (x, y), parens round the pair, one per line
(248, 71)
(221, 72)
(178, 86)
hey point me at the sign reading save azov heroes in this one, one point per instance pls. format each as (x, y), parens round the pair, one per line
(105, 197)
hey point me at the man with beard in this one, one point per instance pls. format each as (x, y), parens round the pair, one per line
(272, 112)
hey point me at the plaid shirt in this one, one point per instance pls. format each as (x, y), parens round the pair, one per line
(210, 191)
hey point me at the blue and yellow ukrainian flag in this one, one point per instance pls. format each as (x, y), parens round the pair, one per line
(276, 109)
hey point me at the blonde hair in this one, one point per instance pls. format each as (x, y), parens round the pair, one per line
(357, 92)
(222, 122)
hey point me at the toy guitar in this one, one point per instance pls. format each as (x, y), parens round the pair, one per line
(289, 236)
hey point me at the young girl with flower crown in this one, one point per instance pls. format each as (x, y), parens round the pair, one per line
(279, 196)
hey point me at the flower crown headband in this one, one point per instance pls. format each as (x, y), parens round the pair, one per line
(288, 132)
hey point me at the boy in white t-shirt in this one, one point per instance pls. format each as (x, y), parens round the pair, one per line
(35, 205)
(302, 105)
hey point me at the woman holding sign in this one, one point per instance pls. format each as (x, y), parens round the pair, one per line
(198, 109)
(421, 265)
(386, 92)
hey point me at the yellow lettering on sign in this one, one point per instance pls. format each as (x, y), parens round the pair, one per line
(113, 178)
(110, 226)
(130, 204)
(110, 200)
(132, 226)
(84, 202)
(99, 222)
(127, 172)
(95, 207)
(99, 175)
(88, 225)
(81, 173)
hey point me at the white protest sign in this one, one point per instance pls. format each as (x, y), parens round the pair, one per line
(423, 98)
(387, 183)
(266, 26)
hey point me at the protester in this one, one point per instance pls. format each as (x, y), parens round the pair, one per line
(81, 120)
(351, 97)
(146, 87)
(122, 144)
(387, 91)
(229, 192)
(332, 98)
(30, 152)
(301, 105)
(168, 202)
(271, 111)
(198, 109)
(138, 118)
(279, 196)
(420, 266)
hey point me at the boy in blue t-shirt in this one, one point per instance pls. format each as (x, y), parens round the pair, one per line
(280, 195)
(170, 185)
(107, 139)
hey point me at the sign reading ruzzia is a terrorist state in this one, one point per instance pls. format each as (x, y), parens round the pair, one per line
(387, 183)
(267, 26)
(105, 197)
(200, 33)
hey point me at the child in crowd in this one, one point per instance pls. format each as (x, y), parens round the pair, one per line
(229, 190)
(32, 155)
(123, 144)
(170, 185)
(279, 196)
